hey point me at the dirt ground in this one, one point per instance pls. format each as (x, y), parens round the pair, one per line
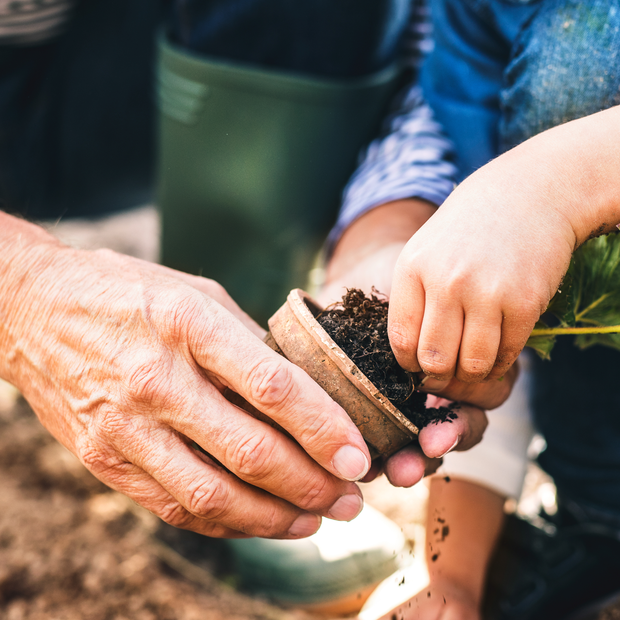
(71, 549)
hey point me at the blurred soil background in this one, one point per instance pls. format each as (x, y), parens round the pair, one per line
(72, 549)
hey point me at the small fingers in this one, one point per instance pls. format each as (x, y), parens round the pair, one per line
(489, 394)
(405, 316)
(479, 346)
(516, 329)
(440, 338)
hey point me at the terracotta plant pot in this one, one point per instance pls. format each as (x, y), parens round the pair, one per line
(296, 334)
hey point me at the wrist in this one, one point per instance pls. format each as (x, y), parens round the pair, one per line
(390, 224)
(26, 252)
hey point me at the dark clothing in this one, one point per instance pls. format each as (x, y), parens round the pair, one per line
(343, 39)
(77, 112)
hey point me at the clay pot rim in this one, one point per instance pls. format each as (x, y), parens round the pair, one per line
(300, 303)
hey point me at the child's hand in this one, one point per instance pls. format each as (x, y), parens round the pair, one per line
(472, 282)
(487, 395)
(365, 257)
(438, 602)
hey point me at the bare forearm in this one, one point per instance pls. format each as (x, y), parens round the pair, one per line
(391, 223)
(570, 171)
(463, 522)
(25, 251)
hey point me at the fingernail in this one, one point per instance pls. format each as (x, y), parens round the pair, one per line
(306, 524)
(346, 508)
(433, 385)
(456, 442)
(351, 463)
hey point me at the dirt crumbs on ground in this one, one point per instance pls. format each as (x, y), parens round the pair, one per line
(71, 549)
(358, 325)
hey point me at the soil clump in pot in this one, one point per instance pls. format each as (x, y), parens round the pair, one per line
(358, 325)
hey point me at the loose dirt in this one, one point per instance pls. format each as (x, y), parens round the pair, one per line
(359, 326)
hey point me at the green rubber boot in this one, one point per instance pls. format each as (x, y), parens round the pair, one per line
(251, 167)
(332, 572)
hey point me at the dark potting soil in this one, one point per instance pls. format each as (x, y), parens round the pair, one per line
(358, 325)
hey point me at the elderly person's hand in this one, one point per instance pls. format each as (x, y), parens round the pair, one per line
(128, 363)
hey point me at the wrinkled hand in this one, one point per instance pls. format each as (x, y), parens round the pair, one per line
(126, 363)
(437, 602)
(472, 282)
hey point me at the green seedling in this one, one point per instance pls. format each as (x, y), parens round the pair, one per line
(587, 303)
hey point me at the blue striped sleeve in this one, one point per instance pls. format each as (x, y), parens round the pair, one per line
(411, 159)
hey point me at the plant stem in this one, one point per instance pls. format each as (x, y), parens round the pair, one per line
(558, 331)
(593, 305)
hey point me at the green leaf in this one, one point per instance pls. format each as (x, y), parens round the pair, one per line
(589, 297)
(597, 276)
(541, 344)
(608, 340)
(562, 304)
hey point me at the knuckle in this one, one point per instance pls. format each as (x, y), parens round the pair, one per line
(455, 282)
(271, 383)
(253, 457)
(103, 462)
(474, 368)
(112, 426)
(271, 523)
(176, 312)
(400, 337)
(185, 310)
(174, 514)
(316, 495)
(216, 290)
(527, 309)
(321, 431)
(435, 363)
(146, 377)
(108, 255)
(209, 500)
